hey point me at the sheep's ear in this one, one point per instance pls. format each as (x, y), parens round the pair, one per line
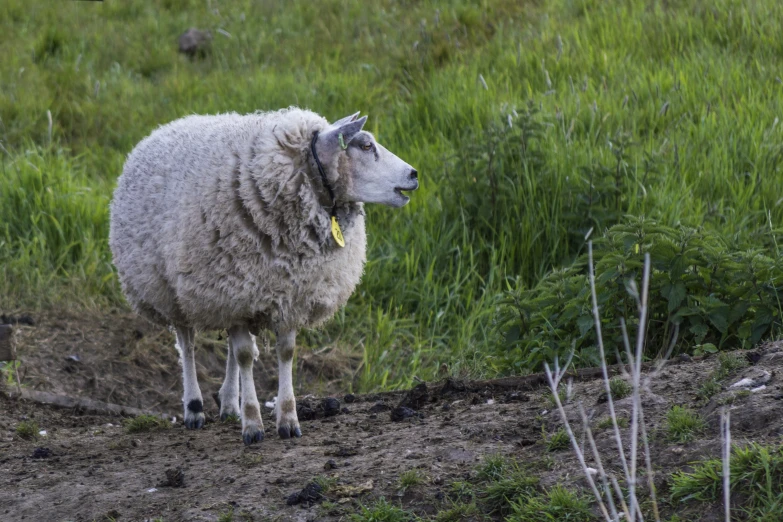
(339, 136)
(347, 119)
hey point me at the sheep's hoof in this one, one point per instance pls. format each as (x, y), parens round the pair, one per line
(252, 434)
(194, 421)
(285, 432)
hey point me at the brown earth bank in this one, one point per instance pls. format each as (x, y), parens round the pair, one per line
(87, 466)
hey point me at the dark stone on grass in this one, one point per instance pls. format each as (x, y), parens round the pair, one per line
(22, 319)
(175, 478)
(310, 494)
(194, 42)
(350, 398)
(401, 413)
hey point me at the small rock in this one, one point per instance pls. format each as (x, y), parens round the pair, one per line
(331, 406)
(401, 413)
(42, 453)
(755, 377)
(330, 464)
(305, 412)
(194, 42)
(416, 398)
(175, 478)
(515, 397)
(345, 411)
(350, 398)
(310, 494)
(379, 407)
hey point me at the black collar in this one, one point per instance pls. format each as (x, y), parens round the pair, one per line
(324, 180)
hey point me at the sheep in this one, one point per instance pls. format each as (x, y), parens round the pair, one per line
(249, 223)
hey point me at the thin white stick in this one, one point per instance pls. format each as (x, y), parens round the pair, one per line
(725, 421)
(574, 444)
(599, 338)
(637, 371)
(598, 463)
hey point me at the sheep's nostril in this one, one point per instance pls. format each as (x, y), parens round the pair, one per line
(414, 174)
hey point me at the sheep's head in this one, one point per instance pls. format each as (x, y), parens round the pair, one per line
(367, 172)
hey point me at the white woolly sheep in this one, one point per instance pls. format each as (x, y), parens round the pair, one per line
(233, 221)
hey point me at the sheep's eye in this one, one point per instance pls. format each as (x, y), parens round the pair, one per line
(367, 146)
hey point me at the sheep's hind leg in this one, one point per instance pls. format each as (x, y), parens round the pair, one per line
(229, 392)
(244, 347)
(287, 421)
(191, 398)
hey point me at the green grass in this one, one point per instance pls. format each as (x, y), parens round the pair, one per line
(728, 363)
(382, 511)
(409, 479)
(497, 495)
(756, 482)
(501, 487)
(606, 423)
(642, 108)
(558, 440)
(27, 430)
(457, 513)
(619, 388)
(558, 503)
(683, 425)
(144, 423)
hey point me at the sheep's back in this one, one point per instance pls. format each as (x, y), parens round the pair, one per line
(192, 242)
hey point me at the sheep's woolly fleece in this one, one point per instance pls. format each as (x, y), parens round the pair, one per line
(223, 220)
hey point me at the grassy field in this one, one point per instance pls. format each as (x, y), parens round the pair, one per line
(533, 125)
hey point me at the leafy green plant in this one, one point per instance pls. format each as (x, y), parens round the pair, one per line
(702, 288)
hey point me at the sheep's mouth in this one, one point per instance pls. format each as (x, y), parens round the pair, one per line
(399, 191)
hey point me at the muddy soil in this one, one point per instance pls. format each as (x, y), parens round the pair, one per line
(88, 467)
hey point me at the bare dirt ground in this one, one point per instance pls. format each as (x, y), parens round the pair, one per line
(87, 467)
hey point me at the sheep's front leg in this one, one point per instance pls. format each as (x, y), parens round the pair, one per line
(287, 421)
(229, 392)
(191, 398)
(244, 347)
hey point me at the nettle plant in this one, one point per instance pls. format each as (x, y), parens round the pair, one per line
(705, 295)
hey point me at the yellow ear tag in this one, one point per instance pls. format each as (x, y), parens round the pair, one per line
(337, 234)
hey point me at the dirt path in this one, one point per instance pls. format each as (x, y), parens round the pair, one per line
(87, 467)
